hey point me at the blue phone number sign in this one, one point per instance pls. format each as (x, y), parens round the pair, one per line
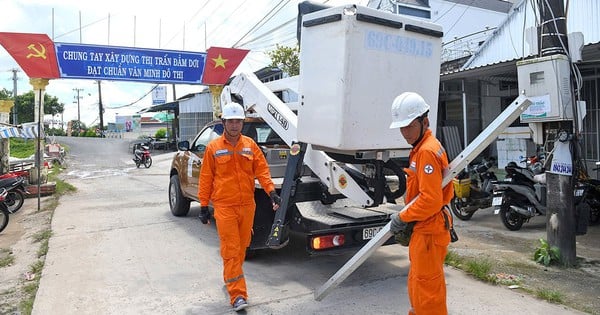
(78, 61)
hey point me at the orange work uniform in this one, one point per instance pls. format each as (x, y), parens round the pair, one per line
(429, 242)
(227, 179)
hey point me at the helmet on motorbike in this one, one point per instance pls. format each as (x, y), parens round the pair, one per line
(233, 111)
(407, 107)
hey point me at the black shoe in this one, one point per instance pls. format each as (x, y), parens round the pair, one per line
(239, 304)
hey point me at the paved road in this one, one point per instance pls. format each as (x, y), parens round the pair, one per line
(116, 249)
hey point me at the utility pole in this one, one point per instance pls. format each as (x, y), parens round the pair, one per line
(14, 109)
(77, 99)
(560, 212)
(100, 110)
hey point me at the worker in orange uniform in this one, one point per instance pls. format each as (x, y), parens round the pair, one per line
(229, 167)
(428, 215)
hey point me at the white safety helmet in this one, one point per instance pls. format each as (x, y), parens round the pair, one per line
(233, 111)
(407, 107)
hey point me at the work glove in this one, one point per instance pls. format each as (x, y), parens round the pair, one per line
(204, 215)
(397, 225)
(403, 237)
(275, 198)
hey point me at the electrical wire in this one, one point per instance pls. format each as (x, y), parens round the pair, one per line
(265, 19)
(458, 19)
(226, 19)
(80, 28)
(269, 32)
(452, 7)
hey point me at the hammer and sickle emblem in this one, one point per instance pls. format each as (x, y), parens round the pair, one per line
(41, 53)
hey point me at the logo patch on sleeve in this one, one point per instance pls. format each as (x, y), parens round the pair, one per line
(428, 169)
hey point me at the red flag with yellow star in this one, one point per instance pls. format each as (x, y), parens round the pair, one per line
(34, 53)
(220, 64)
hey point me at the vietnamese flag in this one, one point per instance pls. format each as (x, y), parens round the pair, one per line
(220, 64)
(33, 52)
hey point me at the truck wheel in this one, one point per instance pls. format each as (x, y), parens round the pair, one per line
(511, 220)
(180, 205)
(459, 211)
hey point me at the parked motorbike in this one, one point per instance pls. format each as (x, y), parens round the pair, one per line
(141, 155)
(14, 184)
(587, 190)
(522, 195)
(3, 210)
(473, 190)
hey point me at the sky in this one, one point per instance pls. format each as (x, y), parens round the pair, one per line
(194, 26)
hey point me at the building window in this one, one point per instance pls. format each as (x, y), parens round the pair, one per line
(591, 122)
(402, 8)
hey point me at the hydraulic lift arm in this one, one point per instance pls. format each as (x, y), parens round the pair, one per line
(460, 162)
(258, 97)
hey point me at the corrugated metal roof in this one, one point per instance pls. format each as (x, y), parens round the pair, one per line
(508, 40)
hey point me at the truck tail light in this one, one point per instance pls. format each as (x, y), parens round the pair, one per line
(327, 241)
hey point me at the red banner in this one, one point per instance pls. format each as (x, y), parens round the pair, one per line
(34, 53)
(220, 64)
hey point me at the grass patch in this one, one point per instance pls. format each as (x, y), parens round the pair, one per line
(42, 238)
(6, 257)
(50, 205)
(453, 259)
(42, 235)
(550, 296)
(62, 187)
(43, 250)
(26, 305)
(37, 267)
(480, 269)
(30, 289)
(21, 148)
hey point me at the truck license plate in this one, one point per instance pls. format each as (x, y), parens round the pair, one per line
(497, 201)
(369, 233)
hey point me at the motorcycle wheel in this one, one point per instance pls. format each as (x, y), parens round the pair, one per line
(14, 200)
(458, 210)
(511, 220)
(3, 217)
(148, 162)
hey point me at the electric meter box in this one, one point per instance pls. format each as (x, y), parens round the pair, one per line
(547, 82)
(353, 62)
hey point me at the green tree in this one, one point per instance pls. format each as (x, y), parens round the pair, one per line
(25, 105)
(78, 128)
(286, 58)
(5, 94)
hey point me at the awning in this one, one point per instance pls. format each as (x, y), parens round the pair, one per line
(161, 107)
(174, 106)
(28, 130)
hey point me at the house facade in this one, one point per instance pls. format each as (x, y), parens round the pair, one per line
(472, 96)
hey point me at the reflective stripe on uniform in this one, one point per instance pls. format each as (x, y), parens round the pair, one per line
(234, 279)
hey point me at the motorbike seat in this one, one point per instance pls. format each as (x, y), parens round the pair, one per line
(512, 167)
(7, 182)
